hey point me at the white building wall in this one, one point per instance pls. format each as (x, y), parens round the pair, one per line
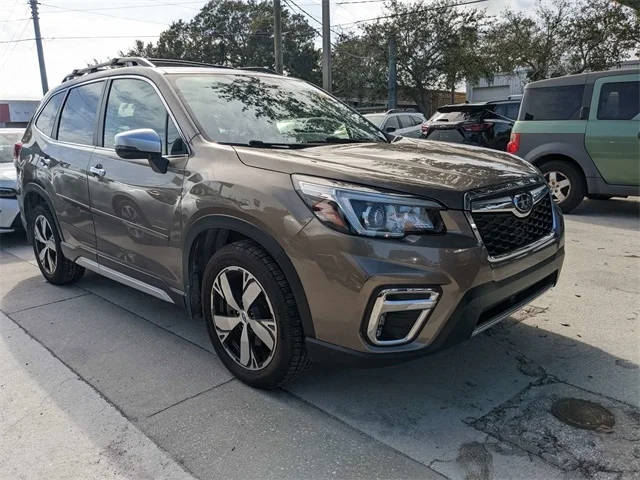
(497, 88)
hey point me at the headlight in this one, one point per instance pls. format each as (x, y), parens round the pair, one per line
(365, 211)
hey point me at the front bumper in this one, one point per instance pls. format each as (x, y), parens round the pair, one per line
(344, 274)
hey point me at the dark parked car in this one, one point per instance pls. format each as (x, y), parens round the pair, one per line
(292, 226)
(486, 124)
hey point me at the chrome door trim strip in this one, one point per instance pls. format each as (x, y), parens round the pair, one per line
(123, 279)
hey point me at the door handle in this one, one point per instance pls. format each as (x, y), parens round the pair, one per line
(98, 171)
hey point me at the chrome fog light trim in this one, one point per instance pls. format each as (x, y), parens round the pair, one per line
(383, 304)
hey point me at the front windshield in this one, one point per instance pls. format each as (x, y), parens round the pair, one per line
(7, 141)
(254, 109)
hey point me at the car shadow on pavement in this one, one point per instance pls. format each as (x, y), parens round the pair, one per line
(435, 410)
(616, 212)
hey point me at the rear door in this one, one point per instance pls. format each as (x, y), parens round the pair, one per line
(67, 159)
(136, 210)
(613, 131)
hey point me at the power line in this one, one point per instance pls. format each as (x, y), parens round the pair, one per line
(88, 12)
(142, 5)
(79, 38)
(413, 12)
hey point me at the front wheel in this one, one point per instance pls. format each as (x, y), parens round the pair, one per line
(566, 182)
(252, 317)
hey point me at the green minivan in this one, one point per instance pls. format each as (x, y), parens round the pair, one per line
(583, 132)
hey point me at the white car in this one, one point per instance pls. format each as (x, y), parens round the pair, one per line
(404, 123)
(9, 211)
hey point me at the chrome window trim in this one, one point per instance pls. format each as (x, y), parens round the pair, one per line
(105, 79)
(162, 99)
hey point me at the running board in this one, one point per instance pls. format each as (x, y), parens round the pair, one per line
(124, 279)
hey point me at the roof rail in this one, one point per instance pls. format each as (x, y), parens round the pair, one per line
(401, 110)
(120, 62)
(260, 69)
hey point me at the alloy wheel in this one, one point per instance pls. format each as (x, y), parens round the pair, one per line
(243, 318)
(560, 185)
(45, 243)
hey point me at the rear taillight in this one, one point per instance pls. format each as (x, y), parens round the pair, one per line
(424, 127)
(476, 127)
(17, 148)
(514, 143)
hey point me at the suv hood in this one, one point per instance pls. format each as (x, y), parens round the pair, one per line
(441, 171)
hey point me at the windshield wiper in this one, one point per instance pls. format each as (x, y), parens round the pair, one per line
(261, 144)
(332, 139)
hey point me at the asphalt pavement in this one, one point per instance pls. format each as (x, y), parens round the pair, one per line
(100, 381)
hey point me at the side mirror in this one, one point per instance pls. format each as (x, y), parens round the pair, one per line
(390, 129)
(142, 143)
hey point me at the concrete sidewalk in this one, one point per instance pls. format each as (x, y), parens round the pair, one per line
(54, 425)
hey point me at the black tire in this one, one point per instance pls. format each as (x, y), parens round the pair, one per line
(578, 188)
(289, 356)
(599, 196)
(65, 270)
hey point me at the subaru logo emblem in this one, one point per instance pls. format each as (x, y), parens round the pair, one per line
(523, 202)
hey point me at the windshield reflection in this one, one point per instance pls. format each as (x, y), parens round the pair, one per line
(261, 110)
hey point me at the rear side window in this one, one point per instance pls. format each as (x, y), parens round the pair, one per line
(392, 122)
(552, 103)
(619, 101)
(80, 113)
(47, 117)
(135, 104)
(509, 110)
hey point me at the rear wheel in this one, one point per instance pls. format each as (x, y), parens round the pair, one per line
(566, 182)
(55, 268)
(252, 317)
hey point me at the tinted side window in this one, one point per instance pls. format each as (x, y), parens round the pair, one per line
(552, 103)
(80, 113)
(392, 121)
(509, 110)
(135, 104)
(47, 117)
(619, 101)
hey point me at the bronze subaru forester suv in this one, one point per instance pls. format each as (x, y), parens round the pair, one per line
(295, 228)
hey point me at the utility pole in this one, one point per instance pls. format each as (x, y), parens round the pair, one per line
(277, 35)
(393, 74)
(36, 28)
(326, 46)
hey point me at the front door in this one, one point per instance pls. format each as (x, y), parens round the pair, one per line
(136, 211)
(613, 130)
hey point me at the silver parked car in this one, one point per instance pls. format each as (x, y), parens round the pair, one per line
(399, 122)
(9, 218)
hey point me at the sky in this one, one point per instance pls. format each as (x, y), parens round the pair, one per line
(122, 21)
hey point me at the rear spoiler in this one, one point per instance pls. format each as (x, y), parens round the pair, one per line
(470, 107)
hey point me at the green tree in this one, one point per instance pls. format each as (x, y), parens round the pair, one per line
(238, 33)
(436, 46)
(358, 68)
(565, 37)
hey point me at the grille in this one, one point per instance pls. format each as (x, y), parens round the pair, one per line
(504, 233)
